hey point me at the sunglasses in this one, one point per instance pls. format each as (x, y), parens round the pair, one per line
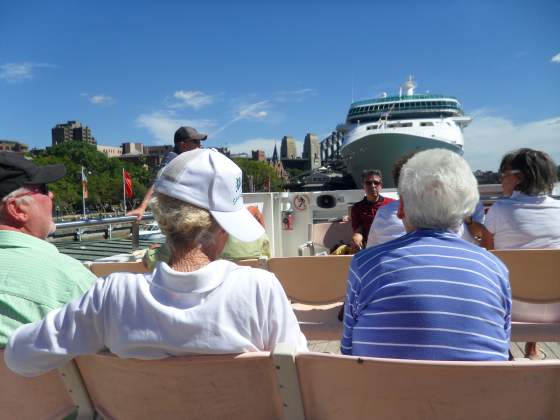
(376, 183)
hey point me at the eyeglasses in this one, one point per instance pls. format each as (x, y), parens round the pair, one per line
(509, 172)
(376, 183)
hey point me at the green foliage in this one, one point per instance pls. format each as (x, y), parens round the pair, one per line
(261, 172)
(104, 176)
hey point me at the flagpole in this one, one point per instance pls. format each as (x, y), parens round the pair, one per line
(124, 191)
(83, 196)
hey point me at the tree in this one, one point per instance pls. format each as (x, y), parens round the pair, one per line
(104, 176)
(261, 172)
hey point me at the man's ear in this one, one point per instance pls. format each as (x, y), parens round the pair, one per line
(400, 211)
(15, 212)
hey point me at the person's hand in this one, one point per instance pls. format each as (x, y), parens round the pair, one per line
(357, 241)
(139, 213)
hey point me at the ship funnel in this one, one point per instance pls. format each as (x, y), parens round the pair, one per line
(409, 86)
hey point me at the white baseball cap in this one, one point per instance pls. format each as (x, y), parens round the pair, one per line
(208, 179)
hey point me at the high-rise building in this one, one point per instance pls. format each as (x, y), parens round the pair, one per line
(288, 148)
(312, 150)
(71, 131)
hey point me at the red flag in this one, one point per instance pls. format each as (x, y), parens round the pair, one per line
(127, 184)
(85, 193)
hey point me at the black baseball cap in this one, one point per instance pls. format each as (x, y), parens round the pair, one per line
(16, 172)
(188, 133)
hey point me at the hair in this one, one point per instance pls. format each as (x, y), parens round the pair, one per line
(538, 170)
(185, 225)
(371, 172)
(438, 190)
(396, 172)
(19, 200)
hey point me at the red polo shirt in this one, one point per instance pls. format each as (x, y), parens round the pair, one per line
(363, 212)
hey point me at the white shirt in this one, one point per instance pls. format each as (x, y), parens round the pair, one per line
(221, 308)
(525, 221)
(386, 225)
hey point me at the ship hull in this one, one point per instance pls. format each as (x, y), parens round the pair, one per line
(381, 151)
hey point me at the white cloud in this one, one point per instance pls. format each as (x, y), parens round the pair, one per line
(100, 99)
(265, 144)
(163, 124)
(294, 95)
(192, 98)
(254, 111)
(15, 72)
(488, 138)
(257, 111)
(555, 59)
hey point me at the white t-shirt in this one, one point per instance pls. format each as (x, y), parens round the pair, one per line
(221, 308)
(387, 226)
(525, 221)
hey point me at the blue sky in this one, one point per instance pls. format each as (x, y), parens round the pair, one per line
(251, 72)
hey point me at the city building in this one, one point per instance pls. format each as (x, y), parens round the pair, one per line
(110, 151)
(312, 150)
(288, 148)
(71, 131)
(13, 146)
(258, 155)
(130, 148)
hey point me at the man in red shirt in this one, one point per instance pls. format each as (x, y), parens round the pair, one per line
(364, 211)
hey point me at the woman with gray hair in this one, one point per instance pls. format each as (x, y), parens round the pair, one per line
(194, 304)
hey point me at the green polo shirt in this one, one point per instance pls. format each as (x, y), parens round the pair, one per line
(34, 279)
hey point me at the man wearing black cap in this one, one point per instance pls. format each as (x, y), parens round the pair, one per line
(185, 139)
(34, 277)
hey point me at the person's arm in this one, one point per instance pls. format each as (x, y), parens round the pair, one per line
(487, 238)
(350, 303)
(73, 330)
(357, 237)
(141, 209)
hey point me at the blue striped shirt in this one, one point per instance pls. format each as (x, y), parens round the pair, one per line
(427, 295)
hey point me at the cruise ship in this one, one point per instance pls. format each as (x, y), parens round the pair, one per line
(377, 132)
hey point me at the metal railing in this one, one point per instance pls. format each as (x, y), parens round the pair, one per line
(108, 222)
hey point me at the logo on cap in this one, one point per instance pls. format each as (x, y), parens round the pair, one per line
(237, 189)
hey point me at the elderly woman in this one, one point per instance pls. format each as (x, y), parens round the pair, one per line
(528, 217)
(194, 304)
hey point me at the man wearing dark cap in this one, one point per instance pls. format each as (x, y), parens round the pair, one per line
(34, 277)
(185, 139)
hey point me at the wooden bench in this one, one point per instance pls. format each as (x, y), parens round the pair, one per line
(54, 395)
(195, 387)
(534, 276)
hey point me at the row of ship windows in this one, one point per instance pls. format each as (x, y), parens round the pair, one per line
(395, 125)
(403, 105)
